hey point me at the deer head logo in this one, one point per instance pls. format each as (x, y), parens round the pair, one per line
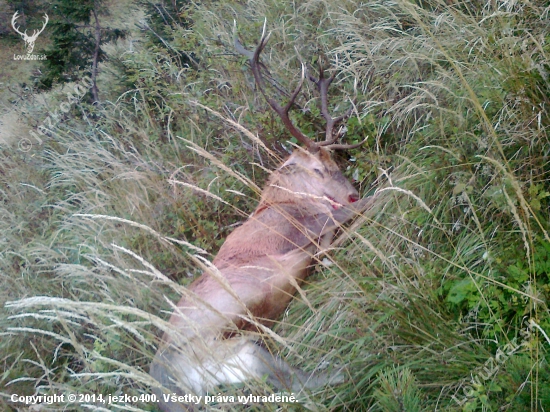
(29, 40)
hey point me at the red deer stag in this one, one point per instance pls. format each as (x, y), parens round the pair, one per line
(259, 267)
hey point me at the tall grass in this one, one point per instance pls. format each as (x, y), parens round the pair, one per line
(101, 224)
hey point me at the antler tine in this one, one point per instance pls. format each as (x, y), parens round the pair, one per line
(283, 112)
(13, 22)
(330, 140)
(346, 146)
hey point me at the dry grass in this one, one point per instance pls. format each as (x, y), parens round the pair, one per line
(101, 225)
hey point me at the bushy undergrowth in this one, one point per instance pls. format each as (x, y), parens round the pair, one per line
(436, 299)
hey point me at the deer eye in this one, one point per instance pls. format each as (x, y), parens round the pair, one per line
(319, 172)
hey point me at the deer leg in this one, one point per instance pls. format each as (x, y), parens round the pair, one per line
(261, 363)
(237, 360)
(163, 369)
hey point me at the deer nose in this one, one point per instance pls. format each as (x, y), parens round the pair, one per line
(353, 198)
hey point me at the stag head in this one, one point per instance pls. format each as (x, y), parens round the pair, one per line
(29, 40)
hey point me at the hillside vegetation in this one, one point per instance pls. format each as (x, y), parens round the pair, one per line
(435, 299)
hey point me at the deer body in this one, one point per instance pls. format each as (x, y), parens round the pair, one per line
(257, 271)
(261, 263)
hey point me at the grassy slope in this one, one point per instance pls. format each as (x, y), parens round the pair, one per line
(424, 289)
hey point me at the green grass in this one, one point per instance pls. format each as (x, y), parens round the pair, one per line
(450, 266)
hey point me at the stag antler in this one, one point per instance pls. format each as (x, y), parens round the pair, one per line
(254, 58)
(330, 141)
(322, 85)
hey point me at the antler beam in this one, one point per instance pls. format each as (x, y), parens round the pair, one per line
(322, 84)
(283, 112)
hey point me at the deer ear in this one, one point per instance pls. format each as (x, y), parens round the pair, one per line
(289, 162)
(294, 159)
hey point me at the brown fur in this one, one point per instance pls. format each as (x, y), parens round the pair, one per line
(255, 276)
